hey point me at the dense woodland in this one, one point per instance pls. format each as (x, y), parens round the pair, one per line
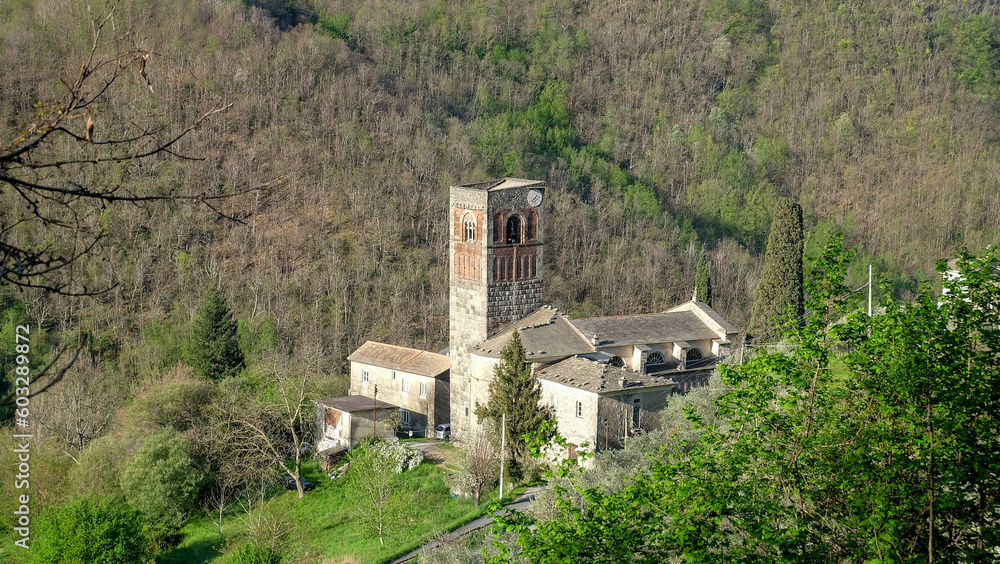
(663, 129)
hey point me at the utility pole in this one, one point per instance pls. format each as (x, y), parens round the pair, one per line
(503, 449)
(869, 290)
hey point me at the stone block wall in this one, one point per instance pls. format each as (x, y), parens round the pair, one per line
(481, 304)
(511, 301)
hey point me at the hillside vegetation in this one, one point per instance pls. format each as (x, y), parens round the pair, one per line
(663, 128)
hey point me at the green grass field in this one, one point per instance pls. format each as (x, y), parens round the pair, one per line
(323, 525)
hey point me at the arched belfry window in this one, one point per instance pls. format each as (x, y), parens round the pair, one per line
(469, 228)
(514, 235)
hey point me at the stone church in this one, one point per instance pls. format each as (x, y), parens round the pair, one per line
(601, 377)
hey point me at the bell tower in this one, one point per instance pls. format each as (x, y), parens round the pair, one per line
(495, 255)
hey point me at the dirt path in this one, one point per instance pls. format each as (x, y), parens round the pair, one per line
(439, 453)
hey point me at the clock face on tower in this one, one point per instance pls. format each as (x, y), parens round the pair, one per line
(534, 198)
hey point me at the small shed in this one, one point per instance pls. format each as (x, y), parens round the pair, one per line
(343, 421)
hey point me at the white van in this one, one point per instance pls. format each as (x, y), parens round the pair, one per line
(443, 432)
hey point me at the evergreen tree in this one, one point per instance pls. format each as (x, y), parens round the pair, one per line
(780, 286)
(514, 391)
(214, 350)
(702, 280)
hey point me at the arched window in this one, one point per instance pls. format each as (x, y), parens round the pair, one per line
(655, 358)
(617, 362)
(514, 230)
(469, 225)
(694, 354)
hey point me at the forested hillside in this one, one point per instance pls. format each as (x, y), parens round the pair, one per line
(662, 128)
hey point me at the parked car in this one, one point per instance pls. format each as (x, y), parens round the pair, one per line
(289, 484)
(443, 432)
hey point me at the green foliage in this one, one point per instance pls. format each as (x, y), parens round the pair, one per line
(12, 314)
(382, 509)
(213, 350)
(166, 341)
(779, 291)
(871, 460)
(161, 480)
(253, 553)
(178, 405)
(256, 340)
(703, 280)
(516, 393)
(100, 467)
(161, 538)
(89, 530)
(977, 42)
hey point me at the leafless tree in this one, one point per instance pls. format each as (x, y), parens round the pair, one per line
(220, 496)
(268, 528)
(481, 467)
(77, 409)
(273, 430)
(382, 501)
(54, 205)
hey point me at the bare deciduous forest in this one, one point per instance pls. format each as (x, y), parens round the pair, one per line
(662, 128)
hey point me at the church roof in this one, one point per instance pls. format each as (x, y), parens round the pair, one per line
(546, 333)
(692, 321)
(404, 359)
(598, 377)
(503, 184)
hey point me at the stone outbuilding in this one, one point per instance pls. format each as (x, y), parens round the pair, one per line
(344, 421)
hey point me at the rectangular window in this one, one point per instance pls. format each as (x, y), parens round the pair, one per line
(393, 375)
(404, 417)
(423, 389)
(555, 402)
(364, 376)
(406, 386)
(636, 410)
(579, 409)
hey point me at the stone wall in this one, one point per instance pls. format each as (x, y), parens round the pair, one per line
(480, 305)
(511, 301)
(467, 304)
(424, 411)
(562, 401)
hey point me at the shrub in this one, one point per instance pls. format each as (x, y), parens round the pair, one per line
(161, 480)
(254, 553)
(90, 530)
(398, 456)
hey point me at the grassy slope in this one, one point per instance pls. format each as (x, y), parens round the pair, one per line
(323, 524)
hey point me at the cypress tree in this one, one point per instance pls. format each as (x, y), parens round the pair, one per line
(780, 286)
(702, 280)
(514, 391)
(214, 350)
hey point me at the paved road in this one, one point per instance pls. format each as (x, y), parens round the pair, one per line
(519, 504)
